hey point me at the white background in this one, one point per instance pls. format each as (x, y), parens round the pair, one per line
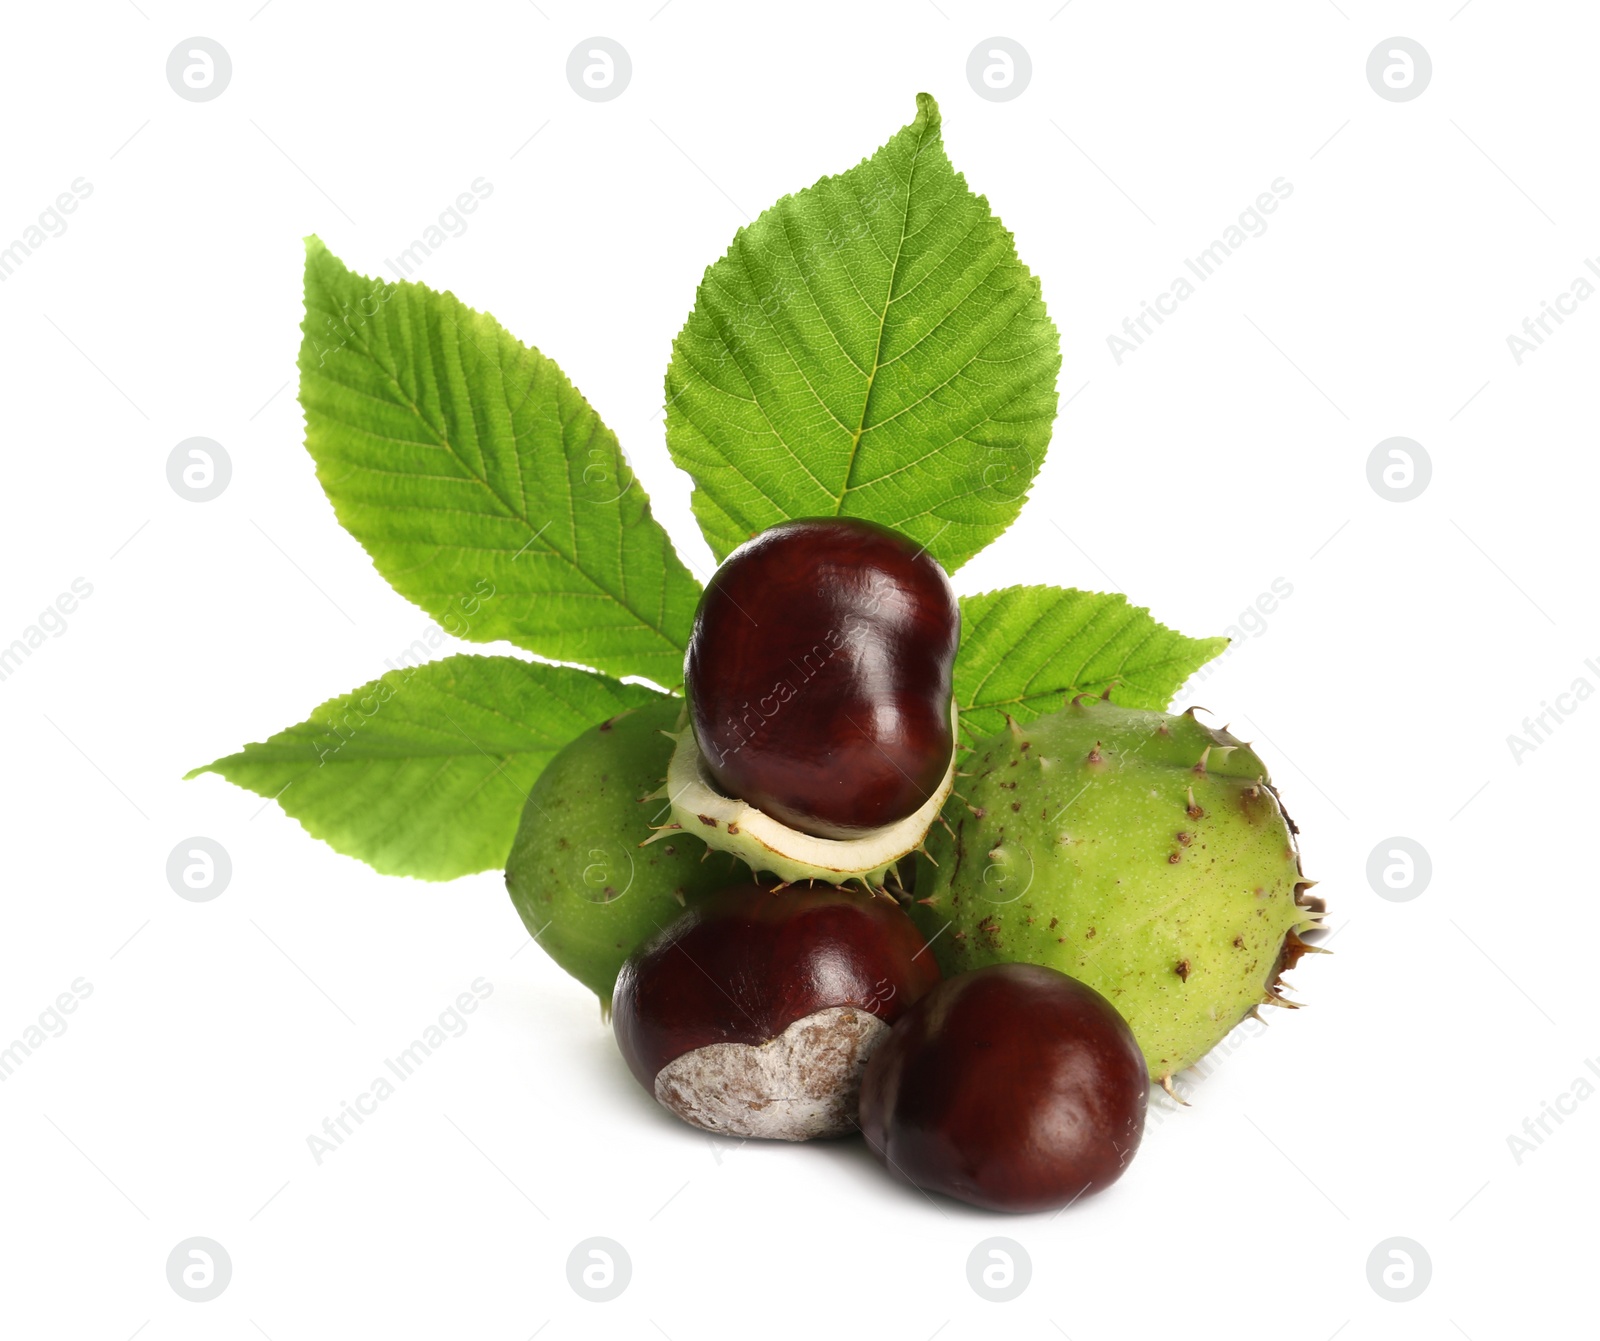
(1228, 452)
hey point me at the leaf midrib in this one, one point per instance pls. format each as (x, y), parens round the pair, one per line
(406, 401)
(883, 321)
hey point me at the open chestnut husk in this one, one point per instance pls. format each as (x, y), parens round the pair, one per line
(754, 1013)
(1013, 1087)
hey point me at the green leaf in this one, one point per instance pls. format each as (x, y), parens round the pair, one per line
(870, 347)
(425, 771)
(1024, 649)
(481, 482)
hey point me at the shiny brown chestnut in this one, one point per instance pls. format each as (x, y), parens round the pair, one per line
(818, 675)
(754, 1012)
(1013, 1087)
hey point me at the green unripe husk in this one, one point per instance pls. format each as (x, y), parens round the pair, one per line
(587, 890)
(1143, 854)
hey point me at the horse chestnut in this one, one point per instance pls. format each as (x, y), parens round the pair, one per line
(754, 1012)
(1013, 1087)
(818, 675)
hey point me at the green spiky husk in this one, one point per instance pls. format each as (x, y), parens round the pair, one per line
(1146, 855)
(586, 889)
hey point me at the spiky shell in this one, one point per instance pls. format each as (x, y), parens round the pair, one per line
(1144, 854)
(762, 843)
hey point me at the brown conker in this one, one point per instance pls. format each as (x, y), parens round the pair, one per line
(753, 1013)
(1013, 1087)
(818, 675)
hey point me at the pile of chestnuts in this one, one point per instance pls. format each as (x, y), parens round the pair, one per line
(819, 689)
